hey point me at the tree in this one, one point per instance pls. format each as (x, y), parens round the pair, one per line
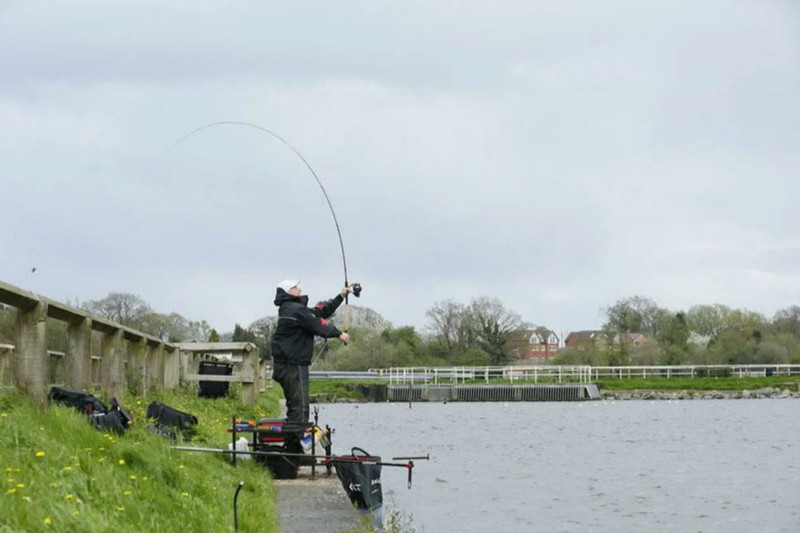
(675, 340)
(213, 336)
(484, 324)
(120, 307)
(787, 321)
(241, 334)
(636, 314)
(445, 321)
(492, 323)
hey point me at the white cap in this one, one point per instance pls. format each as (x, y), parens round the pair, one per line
(288, 284)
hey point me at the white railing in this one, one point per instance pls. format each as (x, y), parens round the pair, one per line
(570, 373)
(462, 374)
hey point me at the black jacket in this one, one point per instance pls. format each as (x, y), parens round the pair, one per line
(293, 340)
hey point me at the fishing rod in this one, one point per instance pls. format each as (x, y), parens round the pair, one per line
(356, 286)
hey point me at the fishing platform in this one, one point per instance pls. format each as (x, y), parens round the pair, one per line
(492, 393)
(472, 384)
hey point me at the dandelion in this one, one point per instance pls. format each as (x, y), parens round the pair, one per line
(185, 494)
(12, 490)
(78, 500)
(67, 468)
(4, 415)
(20, 485)
(120, 509)
(47, 521)
(40, 454)
(127, 493)
(181, 467)
(133, 478)
(121, 461)
(9, 470)
(144, 478)
(69, 496)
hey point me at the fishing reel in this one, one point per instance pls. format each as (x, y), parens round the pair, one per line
(356, 287)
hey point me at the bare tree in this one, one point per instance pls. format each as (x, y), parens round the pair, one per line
(121, 307)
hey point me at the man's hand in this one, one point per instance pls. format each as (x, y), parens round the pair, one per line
(346, 290)
(344, 337)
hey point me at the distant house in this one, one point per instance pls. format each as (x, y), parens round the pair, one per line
(634, 338)
(584, 339)
(537, 345)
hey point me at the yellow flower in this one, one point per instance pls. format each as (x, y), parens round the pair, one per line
(47, 521)
(181, 467)
(120, 509)
(20, 485)
(144, 478)
(11, 491)
(185, 494)
(75, 513)
(4, 415)
(122, 461)
(67, 468)
(127, 493)
(9, 470)
(39, 454)
(69, 496)
(133, 478)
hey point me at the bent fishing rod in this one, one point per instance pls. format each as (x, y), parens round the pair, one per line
(356, 286)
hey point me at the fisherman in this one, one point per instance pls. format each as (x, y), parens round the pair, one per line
(293, 343)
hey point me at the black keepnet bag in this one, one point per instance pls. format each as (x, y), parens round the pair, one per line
(360, 474)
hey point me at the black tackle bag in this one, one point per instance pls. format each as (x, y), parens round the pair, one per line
(360, 474)
(83, 401)
(116, 419)
(164, 415)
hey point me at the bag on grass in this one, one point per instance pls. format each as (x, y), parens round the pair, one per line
(116, 419)
(164, 415)
(83, 401)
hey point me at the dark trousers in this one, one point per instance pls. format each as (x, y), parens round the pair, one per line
(294, 381)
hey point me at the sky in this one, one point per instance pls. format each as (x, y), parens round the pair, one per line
(557, 156)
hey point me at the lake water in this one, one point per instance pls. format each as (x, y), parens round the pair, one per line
(672, 466)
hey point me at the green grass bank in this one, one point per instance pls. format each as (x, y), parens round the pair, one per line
(59, 473)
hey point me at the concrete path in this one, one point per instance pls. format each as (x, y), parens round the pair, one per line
(306, 505)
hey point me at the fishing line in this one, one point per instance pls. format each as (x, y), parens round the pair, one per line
(293, 149)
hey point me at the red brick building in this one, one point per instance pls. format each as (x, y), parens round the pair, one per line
(537, 345)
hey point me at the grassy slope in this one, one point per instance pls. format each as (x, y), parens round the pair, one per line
(61, 474)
